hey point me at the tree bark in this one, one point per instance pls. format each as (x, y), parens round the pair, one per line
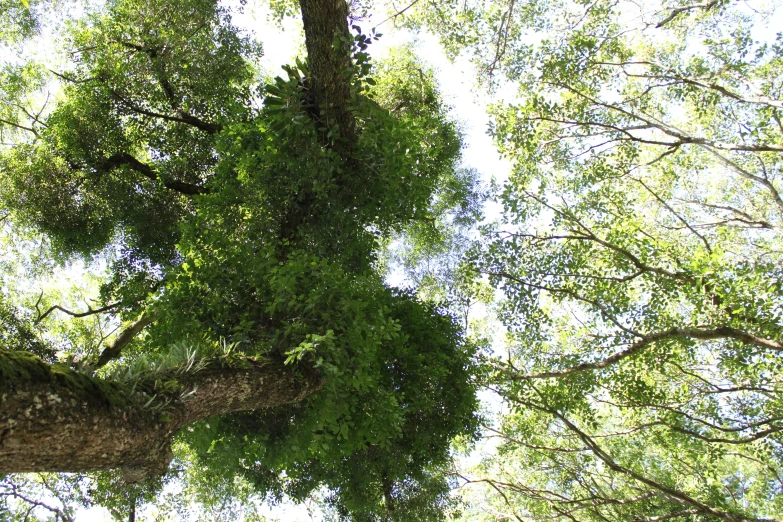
(55, 419)
(328, 42)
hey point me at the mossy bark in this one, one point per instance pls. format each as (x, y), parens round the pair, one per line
(53, 418)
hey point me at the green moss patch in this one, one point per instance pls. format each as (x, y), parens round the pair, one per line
(18, 367)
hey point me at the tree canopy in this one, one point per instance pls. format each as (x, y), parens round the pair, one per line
(240, 229)
(638, 255)
(239, 219)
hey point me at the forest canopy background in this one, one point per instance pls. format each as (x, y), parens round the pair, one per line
(635, 265)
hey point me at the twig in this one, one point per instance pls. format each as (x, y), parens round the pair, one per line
(677, 12)
(90, 310)
(398, 13)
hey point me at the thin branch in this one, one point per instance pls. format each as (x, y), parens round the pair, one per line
(127, 335)
(70, 79)
(600, 307)
(747, 175)
(770, 468)
(126, 159)
(682, 137)
(533, 446)
(670, 492)
(678, 11)
(19, 126)
(398, 13)
(502, 36)
(496, 488)
(34, 503)
(590, 236)
(724, 332)
(760, 100)
(669, 516)
(90, 310)
(677, 215)
(210, 128)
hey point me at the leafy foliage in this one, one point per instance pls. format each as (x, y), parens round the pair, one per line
(228, 214)
(638, 254)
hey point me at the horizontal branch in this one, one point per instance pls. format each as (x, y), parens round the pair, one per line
(18, 126)
(669, 516)
(724, 332)
(184, 117)
(761, 100)
(595, 304)
(90, 311)
(33, 503)
(681, 137)
(745, 440)
(53, 418)
(684, 9)
(125, 159)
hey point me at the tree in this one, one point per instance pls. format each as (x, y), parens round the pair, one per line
(638, 254)
(240, 221)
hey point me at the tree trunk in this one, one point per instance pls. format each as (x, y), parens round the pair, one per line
(55, 419)
(328, 43)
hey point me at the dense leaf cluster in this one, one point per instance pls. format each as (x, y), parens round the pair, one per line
(232, 211)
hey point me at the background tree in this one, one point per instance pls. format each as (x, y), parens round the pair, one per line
(239, 221)
(639, 258)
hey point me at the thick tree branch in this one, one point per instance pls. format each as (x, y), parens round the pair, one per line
(53, 418)
(328, 42)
